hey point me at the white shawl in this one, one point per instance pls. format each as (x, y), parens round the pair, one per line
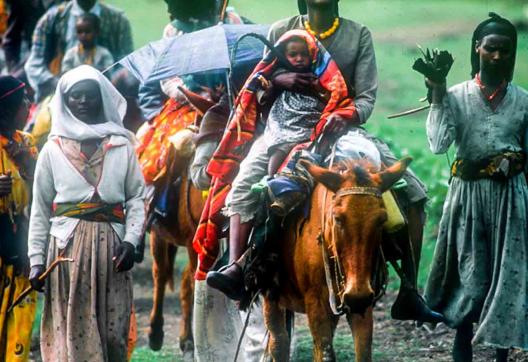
(65, 124)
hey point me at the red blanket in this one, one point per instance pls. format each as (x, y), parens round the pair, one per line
(241, 132)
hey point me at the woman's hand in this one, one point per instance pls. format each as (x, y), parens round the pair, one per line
(6, 185)
(124, 257)
(296, 82)
(438, 90)
(34, 275)
(337, 125)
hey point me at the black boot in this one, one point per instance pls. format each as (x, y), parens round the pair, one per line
(410, 305)
(230, 278)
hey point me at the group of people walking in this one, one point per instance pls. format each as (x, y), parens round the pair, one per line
(81, 201)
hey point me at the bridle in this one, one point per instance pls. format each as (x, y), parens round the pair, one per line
(335, 278)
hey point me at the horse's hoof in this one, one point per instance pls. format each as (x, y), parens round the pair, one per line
(186, 345)
(155, 339)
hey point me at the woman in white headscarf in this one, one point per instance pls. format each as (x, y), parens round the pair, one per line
(88, 205)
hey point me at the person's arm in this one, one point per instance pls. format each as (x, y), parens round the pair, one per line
(107, 60)
(36, 66)
(440, 125)
(365, 77)
(125, 43)
(151, 99)
(43, 196)
(134, 200)
(198, 170)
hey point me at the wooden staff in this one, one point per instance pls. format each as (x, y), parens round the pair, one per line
(409, 112)
(41, 278)
(223, 11)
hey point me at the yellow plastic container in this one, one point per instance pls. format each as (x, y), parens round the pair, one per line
(395, 219)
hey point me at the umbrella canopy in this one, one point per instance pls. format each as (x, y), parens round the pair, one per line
(207, 50)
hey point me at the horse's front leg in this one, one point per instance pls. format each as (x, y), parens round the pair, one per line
(322, 326)
(361, 326)
(279, 341)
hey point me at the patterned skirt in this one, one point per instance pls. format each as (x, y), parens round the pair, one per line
(87, 308)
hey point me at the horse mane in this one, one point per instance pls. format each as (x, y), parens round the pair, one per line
(360, 169)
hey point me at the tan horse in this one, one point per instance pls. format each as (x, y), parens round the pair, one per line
(346, 217)
(166, 236)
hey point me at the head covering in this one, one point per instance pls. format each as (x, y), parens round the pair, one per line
(497, 25)
(65, 124)
(11, 93)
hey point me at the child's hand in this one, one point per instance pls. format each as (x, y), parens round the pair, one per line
(296, 82)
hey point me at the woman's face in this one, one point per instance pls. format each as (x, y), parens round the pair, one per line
(22, 114)
(495, 52)
(85, 102)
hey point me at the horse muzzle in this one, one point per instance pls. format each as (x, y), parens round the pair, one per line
(358, 301)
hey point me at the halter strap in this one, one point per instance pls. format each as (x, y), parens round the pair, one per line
(358, 190)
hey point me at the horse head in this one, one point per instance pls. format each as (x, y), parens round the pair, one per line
(353, 217)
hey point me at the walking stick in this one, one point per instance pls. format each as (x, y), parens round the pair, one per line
(42, 277)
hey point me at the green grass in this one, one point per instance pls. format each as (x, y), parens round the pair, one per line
(145, 354)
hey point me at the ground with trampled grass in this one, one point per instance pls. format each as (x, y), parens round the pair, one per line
(397, 27)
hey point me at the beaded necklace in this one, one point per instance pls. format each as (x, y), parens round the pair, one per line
(326, 34)
(495, 93)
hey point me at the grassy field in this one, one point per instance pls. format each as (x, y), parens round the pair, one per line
(397, 27)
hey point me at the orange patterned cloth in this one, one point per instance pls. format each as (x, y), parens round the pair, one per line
(241, 131)
(154, 138)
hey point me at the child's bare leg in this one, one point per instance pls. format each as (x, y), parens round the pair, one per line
(277, 158)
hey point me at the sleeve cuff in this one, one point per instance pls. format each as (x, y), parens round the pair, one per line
(36, 260)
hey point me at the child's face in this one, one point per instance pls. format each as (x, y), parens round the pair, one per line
(298, 55)
(86, 33)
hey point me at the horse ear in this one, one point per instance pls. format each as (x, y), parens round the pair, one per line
(331, 180)
(388, 177)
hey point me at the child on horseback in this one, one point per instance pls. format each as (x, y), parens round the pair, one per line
(294, 118)
(480, 265)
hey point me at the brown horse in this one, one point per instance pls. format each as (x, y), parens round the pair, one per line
(166, 236)
(346, 219)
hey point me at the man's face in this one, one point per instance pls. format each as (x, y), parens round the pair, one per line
(319, 3)
(495, 52)
(86, 5)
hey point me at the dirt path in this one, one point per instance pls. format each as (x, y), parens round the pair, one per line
(394, 341)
